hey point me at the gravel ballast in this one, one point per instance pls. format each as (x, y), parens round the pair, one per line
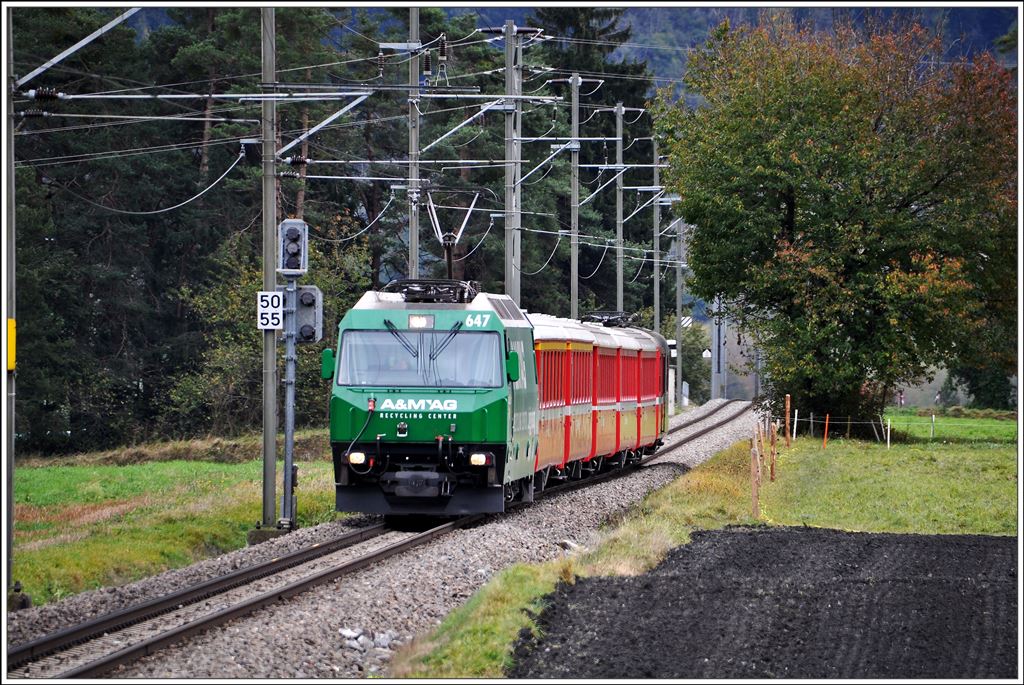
(791, 603)
(349, 627)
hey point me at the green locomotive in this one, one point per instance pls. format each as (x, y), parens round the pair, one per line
(432, 401)
(435, 407)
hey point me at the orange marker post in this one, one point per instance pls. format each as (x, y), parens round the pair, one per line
(824, 442)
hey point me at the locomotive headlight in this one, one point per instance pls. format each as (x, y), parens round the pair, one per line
(421, 321)
(357, 458)
(479, 459)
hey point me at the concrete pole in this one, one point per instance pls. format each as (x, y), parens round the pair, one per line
(757, 372)
(657, 244)
(269, 270)
(517, 188)
(11, 300)
(414, 149)
(679, 313)
(618, 207)
(513, 166)
(574, 203)
(724, 380)
(510, 166)
(716, 355)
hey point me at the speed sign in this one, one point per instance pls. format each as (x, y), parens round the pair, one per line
(269, 310)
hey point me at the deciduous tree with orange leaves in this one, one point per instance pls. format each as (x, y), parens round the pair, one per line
(854, 201)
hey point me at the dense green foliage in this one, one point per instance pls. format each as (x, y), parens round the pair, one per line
(854, 198)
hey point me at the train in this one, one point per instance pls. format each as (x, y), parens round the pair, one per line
(447, 401)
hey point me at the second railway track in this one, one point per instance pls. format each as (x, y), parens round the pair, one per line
(99, 645)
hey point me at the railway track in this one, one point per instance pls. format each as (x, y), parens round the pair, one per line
(99, 645)
(703, 431)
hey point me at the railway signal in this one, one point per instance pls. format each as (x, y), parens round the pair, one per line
(302, 310)
(293, 238)
(309, 313)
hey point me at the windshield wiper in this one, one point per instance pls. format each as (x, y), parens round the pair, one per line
(447, 339)
(401, 338)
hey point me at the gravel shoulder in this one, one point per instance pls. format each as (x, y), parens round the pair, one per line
(311, 635)
(791, 603)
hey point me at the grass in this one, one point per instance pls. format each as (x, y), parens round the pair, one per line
(919, 488)
(910, 425)
(473, 638)
(81, 527)
(852, 485)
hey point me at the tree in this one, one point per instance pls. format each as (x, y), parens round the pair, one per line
(221, 396)
(854, 199)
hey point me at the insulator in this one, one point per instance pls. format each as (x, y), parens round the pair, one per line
(380, 63)
(33, 113)
(288, 174)
(44, 94)
(443, 52)
(297, 161)
(426, 63)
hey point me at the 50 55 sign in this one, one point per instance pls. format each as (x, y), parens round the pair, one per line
(269, 310)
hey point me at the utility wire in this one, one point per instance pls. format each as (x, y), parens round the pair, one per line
(365, 229)
(128, 119)
(489, 227)
(89, 156)
(166, 209)
(594, 41)
(553, 250)
(640, 269)
(599, 263)
(130, 152)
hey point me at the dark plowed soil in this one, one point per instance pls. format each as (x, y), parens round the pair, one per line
(791, 603)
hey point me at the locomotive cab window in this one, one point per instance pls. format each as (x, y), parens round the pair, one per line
(421, 358)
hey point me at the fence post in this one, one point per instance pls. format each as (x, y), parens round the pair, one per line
(849, 420)
(888, 432)
(755, 504)
(796, 420)
(759, 450)
(810, 422)
(760, 442)
(932, 436)
(787, 420)
(772, 467)
(824, 442)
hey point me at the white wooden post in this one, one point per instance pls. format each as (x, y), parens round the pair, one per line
(888, 432)
(796, 419)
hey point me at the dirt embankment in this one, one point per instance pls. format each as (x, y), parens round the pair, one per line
(791, 603)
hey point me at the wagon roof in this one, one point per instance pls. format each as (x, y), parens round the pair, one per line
(547, 327)
(502, 305)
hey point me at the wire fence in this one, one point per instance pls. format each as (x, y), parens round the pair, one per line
(902, 428)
